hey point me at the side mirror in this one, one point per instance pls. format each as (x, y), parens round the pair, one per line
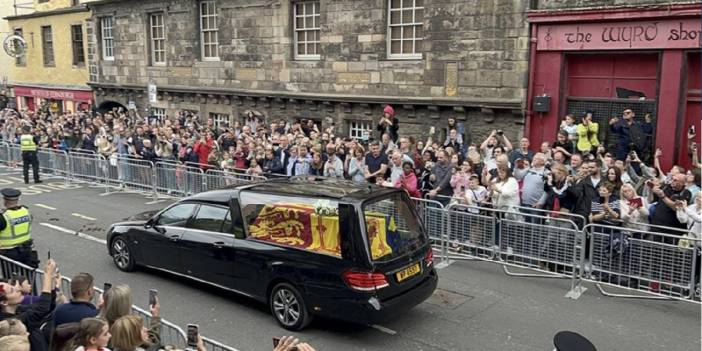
(149, 223)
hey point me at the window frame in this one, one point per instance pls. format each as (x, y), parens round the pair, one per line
(316, 4)
(74, 45)
(216, 118)
(369, 123)
(193, 217)
(203, 31)
(153, 51)
(108, 51)
(20, 61)
(157, 220)
(47, 46)
(160, 116)
(389, 39)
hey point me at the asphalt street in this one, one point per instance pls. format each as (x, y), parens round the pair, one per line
(477, 306)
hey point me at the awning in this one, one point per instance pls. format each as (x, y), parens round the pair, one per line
(56, 94)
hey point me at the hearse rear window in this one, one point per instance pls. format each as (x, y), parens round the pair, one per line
(301, 222)
(391, 227)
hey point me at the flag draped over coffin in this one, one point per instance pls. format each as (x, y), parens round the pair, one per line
(299, 226)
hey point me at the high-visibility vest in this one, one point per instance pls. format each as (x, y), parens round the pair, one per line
(16, 229)
(27, 143)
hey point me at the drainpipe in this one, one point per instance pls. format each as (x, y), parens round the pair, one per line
(530, 84)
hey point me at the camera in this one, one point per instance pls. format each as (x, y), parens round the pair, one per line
(500, 132)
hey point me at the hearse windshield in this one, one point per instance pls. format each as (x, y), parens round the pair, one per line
(392, 227)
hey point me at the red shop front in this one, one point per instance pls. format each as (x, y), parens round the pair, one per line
(607, 60)
(60, 100)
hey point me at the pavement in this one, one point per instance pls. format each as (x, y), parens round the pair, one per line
(477, 306)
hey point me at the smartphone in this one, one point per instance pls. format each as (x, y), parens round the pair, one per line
(432, 130)
(48, 255)
(636, 202)
(106, 287)
(193, 331)
(650, 184)
(152, 296)
(276, 341)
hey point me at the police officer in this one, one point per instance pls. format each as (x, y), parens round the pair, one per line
(28, 146)
(15, 240)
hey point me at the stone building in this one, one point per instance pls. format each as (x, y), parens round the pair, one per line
(343, 59)
(53, 71)
(606, 56)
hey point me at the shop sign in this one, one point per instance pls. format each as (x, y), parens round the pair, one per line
(52, 94)
(651, 34)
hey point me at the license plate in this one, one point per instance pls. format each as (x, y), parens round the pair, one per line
(408, 272)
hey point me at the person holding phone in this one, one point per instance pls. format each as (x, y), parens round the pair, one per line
(587, 134)
(81, 305)
(634, 208)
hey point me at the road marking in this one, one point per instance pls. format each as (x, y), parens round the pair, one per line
(383, 329)
(154, 202)
(83, 216)
(46, 207)
(75, 232)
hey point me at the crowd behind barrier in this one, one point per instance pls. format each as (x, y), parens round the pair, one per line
(170, 334)
(594, 205)
(553, 243)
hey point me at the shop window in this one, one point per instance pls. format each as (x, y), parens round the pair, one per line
(209, 40)
(20, 60)
(307, 30)
(77, 44)
(157, 35)
(405, 28)
(219, 119)
(107, 38)
(360, 130)
(47, 46)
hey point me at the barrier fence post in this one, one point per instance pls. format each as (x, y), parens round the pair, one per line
(67, 179)
(153, 181)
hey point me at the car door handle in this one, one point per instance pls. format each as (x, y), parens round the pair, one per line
(218, 244)
(175, 237)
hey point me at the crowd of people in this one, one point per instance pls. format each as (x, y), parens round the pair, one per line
(51, 321)
(575, 173)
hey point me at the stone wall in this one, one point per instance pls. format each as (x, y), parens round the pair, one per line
(570, 4)
(487, 42)
(473, 63)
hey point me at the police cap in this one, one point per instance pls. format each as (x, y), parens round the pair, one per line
(10, 194)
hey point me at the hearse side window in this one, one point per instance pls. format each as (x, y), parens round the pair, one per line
(209, 218)
(305, 223)
(391, 227)
(176, 216)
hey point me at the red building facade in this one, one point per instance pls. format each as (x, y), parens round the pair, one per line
(607, 60)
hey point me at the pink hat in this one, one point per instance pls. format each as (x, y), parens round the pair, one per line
(389, 110)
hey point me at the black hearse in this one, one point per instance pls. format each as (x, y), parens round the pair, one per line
(305, 246)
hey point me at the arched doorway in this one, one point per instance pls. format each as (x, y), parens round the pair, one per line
(107, 106)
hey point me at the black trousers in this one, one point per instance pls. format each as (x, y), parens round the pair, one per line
(30, 158)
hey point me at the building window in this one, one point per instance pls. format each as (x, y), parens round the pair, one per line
(405, 21)
(77, 43)
(219, 119)
(307, 30)
(20, 60)
(107, 38)
(159, 113)
(158, 39)
(360, 130)
(47, 46)
(208, 31)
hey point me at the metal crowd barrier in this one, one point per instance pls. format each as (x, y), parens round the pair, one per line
(170, 333)
(650, 262)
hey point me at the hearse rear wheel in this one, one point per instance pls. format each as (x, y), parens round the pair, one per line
(289, 308)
